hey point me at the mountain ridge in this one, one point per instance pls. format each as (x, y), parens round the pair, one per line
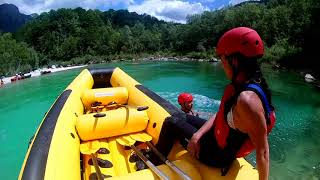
(11, 19)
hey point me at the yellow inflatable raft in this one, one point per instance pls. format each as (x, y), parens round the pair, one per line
(100, 127)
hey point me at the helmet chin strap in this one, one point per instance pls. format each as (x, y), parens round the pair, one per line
(234, 75)
(235, 70)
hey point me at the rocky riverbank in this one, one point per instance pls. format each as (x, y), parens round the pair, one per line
(39, 72)
(152, 58)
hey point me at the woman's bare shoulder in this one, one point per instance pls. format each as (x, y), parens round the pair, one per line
(250, 110)
(249, 100)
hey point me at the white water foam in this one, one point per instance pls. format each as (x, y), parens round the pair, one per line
(202, 104)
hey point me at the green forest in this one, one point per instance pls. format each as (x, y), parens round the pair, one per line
(289, 29)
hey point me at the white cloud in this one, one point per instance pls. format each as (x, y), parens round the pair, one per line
(234, 2)
(207, 1)
(168, 10)
(38, 6)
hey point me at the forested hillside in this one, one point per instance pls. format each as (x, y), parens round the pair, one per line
(74, 36)
(11, 19)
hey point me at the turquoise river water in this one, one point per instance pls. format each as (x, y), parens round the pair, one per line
(294, 142)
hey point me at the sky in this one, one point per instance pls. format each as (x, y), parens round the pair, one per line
(168, 10)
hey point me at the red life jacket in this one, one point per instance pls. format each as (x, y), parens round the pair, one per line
(233, 141)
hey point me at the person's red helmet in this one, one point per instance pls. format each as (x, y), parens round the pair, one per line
(185, 98)
(241, 40)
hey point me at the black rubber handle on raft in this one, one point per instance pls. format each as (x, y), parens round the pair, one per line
(112, 103)
(142, 108)
(99, 115)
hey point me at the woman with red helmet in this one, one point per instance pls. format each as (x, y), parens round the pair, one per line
(186, 102)
(245, 116)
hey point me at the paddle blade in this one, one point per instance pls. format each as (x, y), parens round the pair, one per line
(142, 137)
(125, 140)
(90, 147)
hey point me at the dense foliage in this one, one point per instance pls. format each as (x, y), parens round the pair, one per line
(78, 36)
(287, 28)
(16, 57)
(65, 34)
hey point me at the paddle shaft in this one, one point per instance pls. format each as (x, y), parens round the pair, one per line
(169, 163)
(96, 167)
(149, 164)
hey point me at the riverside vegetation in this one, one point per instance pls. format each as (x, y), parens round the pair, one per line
(77, 36)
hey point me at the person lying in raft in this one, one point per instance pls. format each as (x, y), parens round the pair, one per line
(185, 100)
(245, 116)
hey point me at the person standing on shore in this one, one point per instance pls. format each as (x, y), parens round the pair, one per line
(245, 116)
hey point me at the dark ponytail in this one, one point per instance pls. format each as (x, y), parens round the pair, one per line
(252, 70)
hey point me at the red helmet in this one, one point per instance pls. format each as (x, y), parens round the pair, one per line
(185, 97)
(241, 40)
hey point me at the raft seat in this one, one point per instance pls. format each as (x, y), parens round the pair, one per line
(105, 126)
(123, 120)
(114, 122)
(95, 100)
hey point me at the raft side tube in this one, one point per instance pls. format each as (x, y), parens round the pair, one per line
(36, 160)
(155, 112)
(170, 108)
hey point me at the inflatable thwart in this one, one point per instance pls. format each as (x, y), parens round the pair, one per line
(101, 127)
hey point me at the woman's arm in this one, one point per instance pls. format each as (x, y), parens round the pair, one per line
(249, 112)
(205, 128)
(262, 157)
(194, 145)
